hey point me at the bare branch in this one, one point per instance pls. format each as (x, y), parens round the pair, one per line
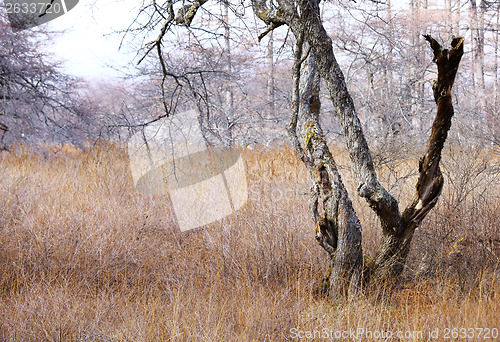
(186, 14)
(272, 16)
(157, 42)
(270, 28)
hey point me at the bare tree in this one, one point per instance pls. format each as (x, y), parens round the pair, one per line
(38, 103)
(338, 229)
(496, 50)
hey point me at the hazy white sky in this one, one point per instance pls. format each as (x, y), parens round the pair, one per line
(88, 44)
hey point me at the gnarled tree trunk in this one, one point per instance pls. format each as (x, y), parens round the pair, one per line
(338, 229)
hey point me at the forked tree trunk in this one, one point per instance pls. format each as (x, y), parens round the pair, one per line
(398, 229)
(338, 229)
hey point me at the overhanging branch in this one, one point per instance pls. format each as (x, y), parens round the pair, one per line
(272, 17)
(186, 14)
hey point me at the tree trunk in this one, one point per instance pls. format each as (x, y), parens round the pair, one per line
(388, 67)
(338, 229)
(480, 56)
(228, 105)
(473, 39)
(457, 18)
(398, 229)
(270, 81)
(495, 65)
(449, 16)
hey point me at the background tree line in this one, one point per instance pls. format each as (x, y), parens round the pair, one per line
(379, 46)
(242, 86)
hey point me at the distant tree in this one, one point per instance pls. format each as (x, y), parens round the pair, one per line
(38, 103)
(338, 229)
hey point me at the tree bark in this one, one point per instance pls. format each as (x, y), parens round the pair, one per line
(338, 229)
(389, 262)
(270, 82)
(383, 203)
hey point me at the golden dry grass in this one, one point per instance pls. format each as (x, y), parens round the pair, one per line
(85, 257)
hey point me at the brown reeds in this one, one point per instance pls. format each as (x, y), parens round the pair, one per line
(85, 257)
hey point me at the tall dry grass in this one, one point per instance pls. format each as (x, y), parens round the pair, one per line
(85, 257)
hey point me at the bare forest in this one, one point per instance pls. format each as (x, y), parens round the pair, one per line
(351, 151)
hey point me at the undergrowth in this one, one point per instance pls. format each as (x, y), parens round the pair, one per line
(85, 257)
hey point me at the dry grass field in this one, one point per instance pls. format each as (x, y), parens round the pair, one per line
(85, 257)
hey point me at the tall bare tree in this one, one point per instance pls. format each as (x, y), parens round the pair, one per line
(496, 51)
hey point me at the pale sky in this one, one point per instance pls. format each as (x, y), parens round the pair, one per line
(88, 45)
